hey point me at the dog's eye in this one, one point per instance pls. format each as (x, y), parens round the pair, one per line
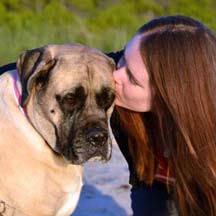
(69, 99)
(72, 100)
(105, 98)
(68, 102)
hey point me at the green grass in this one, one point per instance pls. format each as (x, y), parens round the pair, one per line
(106, 25)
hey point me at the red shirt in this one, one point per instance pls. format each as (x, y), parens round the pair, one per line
(162, 173)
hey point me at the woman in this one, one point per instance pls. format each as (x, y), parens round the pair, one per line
(165, 120)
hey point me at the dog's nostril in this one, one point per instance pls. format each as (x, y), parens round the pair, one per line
(96, 137)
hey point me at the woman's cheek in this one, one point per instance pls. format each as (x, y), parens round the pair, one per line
(129, 93)
(118, 92)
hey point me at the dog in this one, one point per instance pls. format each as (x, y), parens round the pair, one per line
(54, 116)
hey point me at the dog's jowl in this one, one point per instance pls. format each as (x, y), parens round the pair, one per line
(54, 113)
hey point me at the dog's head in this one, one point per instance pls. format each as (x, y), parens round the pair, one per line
(69, 93)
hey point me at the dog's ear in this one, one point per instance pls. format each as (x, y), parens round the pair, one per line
(33, 65)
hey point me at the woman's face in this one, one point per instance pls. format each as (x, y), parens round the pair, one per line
(133, 90)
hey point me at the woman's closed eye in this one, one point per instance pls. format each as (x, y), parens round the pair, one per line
(122, 63)
(131, 78)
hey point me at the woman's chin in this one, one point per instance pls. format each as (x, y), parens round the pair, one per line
(120, 104)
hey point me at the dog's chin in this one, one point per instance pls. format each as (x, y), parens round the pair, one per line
(80, 159)
(78, 155)
(97, 158)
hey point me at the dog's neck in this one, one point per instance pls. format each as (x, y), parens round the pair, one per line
(17, 93)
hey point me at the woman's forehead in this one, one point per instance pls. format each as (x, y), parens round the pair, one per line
(134, 59)
(133, 46)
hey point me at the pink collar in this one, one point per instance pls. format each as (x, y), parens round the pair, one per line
(17, 93)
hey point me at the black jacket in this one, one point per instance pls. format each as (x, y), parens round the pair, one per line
(10, 66)
(122, 141)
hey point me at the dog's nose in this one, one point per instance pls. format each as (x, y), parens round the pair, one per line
(96, 136)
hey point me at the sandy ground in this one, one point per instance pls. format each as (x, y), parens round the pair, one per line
(106, 191)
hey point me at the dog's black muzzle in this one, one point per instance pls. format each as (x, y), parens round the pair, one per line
(90, 143)
(96, 136)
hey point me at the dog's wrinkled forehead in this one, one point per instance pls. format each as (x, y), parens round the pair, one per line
(78, 53)
(82, 66)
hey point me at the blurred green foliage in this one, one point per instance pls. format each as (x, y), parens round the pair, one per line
(106, 25)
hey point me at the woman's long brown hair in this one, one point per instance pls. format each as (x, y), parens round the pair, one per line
(141, 149)
(180, 56)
